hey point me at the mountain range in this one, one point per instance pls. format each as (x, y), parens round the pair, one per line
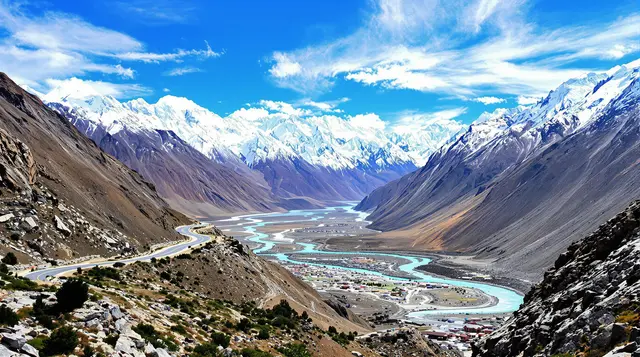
(521, 184)
(255, 159)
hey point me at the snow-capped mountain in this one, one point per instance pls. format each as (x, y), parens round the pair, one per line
(346, 157)
(258, 134)
(517, 176)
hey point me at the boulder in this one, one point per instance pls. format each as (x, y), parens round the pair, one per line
(150, 350)
(5, 352)
(125, 345)
(30, 224)
(61, 226)
(6, 217)
(116, 313)
(13, 340)
(30, 350)
(161, 352)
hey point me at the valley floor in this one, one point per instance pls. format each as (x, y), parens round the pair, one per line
(327, 248)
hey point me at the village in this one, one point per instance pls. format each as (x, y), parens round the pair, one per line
(387, 302)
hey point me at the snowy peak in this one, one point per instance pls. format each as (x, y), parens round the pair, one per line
(276, 131)
(573, 105)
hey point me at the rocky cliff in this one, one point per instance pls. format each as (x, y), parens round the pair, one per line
(588, 304)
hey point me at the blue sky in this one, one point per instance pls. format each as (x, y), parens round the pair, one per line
(402, 60)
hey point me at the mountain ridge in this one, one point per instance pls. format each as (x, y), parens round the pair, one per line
(512, 174)
(301, 157)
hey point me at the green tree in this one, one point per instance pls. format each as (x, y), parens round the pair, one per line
(263, 334)
(10, 259)
(244, 325)
(7, 316)
(72, 295)
(62, 342)
(221, 339)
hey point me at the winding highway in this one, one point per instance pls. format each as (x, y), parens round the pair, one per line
(196, 239)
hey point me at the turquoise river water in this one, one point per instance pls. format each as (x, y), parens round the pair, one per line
(508, 300)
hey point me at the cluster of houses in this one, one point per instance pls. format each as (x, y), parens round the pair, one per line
(459, 334)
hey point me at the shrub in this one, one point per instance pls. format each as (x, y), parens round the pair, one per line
(24, 284)
(87, 351)
(99, 273)
(221, 339)
(4, 269)
(629, 317)
(244, 325)
(205, 350)
(294, 350)
(263, 334)
(250, 352)
(179, 329)
(111, 340)
(72, 295)
(118, 264)
(7, 316)
(10, 259)
(37, 342)
(62, 342)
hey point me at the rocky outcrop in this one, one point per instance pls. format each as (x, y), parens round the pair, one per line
(17, 165)
(588, 302)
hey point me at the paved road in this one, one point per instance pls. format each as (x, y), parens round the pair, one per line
(196, 239)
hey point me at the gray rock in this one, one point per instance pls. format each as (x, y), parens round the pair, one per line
(125, 345)
(92, 323)
(30, 350)
(5, 217)
(60, 226)
(5, 352)
(120, 325)
(161, 352)
(13, 340)
(150, 350)
(116, 313)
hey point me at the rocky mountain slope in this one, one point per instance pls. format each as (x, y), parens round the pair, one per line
(218, 299)
(183, 176)
(62, 196)
(521, 184)
(292, 151)
(588, 304)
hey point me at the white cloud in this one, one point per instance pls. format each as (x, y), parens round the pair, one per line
(469, 48)
(284, 67)
(156, 12)
(325, 106)
(524, 100)
(178, 55)
(412, 121)
(166, 90)
(367, 121)
(250, 114)
(489, 100)
(182, 71)
(284, 108)
(78, 88)
(60, 45)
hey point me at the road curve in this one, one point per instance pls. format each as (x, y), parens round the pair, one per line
(196, 239)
